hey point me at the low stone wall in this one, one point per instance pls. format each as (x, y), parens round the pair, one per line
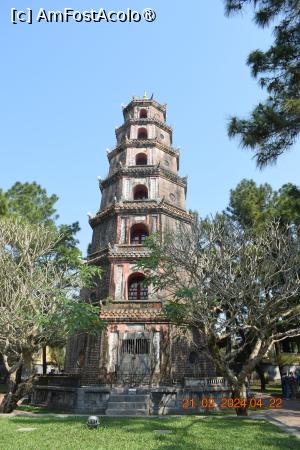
(59, 380)
(83, 400)
(188, 400)
(163, 400)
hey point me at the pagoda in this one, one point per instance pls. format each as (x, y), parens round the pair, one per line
(142, 194)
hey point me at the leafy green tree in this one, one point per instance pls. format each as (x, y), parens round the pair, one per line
(287, 204)
(3, 204)
(273, 125)
(31, 202)
(252, 205)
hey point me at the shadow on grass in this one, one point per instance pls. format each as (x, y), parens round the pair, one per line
(270, 436)
(40, 410)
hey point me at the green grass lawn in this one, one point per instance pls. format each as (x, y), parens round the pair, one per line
(207, 433)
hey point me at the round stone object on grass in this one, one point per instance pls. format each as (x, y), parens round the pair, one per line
(93, 422)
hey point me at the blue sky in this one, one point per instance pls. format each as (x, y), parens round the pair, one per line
(62, 86)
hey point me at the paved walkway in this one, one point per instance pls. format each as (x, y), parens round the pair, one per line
(286, 418)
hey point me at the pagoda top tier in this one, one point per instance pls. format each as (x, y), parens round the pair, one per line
(145, 106)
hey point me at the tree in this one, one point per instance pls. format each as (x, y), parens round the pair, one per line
(31, 202)
(252, 206)
(3, 204)
(230, 285)
(39, 298)
(274, 124)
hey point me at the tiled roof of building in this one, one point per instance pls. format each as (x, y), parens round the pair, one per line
(140, 171)
(134, 314)
(142, 143)
(159, 205)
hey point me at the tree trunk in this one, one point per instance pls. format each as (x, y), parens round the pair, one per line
(5, 371)
(280, 366)
(17, 391)
(19, 375)
(240, 393)
(9, 401)
(44, 360)
(260, 372)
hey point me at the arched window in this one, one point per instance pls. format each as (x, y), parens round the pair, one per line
(137, 289)
(141, 159)
(138, 233)
(140, 192)
(143, 114)
(142, 133)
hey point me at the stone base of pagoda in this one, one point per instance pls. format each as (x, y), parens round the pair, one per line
(202, 398)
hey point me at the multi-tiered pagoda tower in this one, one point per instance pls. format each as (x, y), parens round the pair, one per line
(142, 194)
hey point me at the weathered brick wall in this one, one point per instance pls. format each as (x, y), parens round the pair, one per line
(114, 162)
(183, 365)
(87, 356)
(91, 369)
(111, 192)
(104, 232)
(102, 291)
(169, 224)
(75, 351)
(172, 192)
(82, 357)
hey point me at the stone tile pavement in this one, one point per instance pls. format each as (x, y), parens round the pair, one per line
(286, 418)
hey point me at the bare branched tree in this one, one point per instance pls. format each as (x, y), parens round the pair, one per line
(39, 298)
(235, 288)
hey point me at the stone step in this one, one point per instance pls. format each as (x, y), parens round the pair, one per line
(128, 397)
(125, 404)
(127, 412)
(128, 405)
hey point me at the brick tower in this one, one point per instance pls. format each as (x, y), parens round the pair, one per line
(142, 194)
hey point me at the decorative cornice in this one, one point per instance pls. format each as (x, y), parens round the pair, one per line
(142, 206)
(97, 256)
(130, 314)
(118, 252)
(143, 171)
(139, 121)
(138, 143)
